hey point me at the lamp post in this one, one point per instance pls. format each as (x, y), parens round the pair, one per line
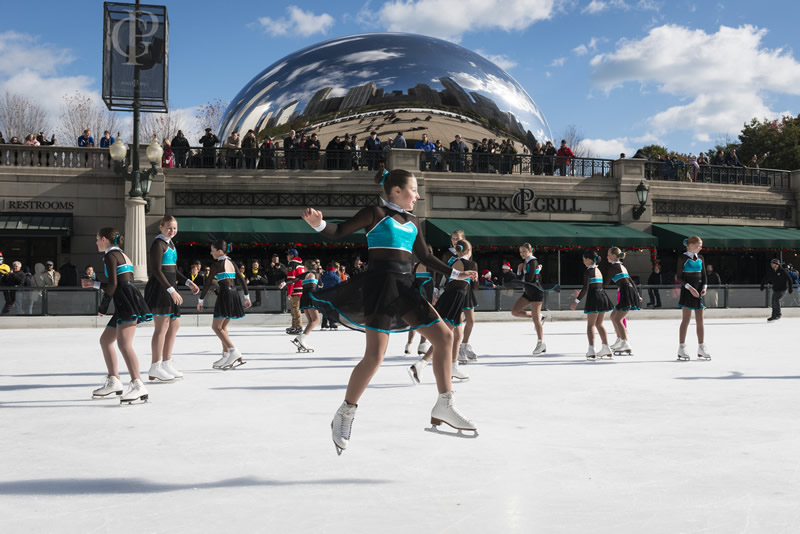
(642, 191)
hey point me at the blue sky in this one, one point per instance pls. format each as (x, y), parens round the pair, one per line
(625, 72)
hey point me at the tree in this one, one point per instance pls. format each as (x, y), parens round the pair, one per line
(651, 152)
(81, 111)
(778, 139)
(20, 116)
(160, 126)
(210, 116)
(574, 139)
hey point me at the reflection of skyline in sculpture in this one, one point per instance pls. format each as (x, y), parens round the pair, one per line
(351, 76)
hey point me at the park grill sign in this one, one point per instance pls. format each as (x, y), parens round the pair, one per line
(522, 202)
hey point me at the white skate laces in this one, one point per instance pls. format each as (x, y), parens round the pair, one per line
(111, 387)
(445, 411)
(342, 425)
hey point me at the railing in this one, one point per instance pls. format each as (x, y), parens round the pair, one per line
(482, 162)
(270, 299)
(55, 156)
(718, 174)
(276, 158)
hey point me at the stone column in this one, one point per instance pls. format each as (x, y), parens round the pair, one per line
(629, 173)
(136, 237)
(403, 158)
(794, 180)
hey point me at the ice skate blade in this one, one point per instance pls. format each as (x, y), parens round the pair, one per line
(621, 352)
(156, 379)
(412, 372)
(107, 396)
(458, 432)
(703, 358)
(682, 359)
(339, 450)
(234, 365)
(140, 400)
(459, 380)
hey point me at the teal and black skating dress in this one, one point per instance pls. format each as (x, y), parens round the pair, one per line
(628, 292)
(162, 270)
(226, 273)
(309, 287)
(691, 271)
(597, 300)
(129, 305)
(458, 295)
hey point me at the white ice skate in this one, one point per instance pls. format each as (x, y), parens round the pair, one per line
(462, 356)
(136, 393)
(169, 367)
(457, 373)
(623, 348)
(233, 361)
(541, 348)
(423, 348)
(469, 352)
(445, 411)
(110, 388)
(702, 352)
(341, 426)
(683, 356)
(218, 364)
(409, 347)
(415, 370)
(590, 355)
(616, 344)
(301, 342)
(157, 372)
(605, 352)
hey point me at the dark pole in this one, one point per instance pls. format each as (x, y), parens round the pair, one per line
(136, 187)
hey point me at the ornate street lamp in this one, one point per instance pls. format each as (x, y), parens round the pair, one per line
(642, 191)
(141, 180)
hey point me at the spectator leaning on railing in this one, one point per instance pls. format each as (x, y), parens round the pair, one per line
(180, 148)
(250, 149)
(86, 140)
(429, 148)
(209, 141)
(399, 141)
(107, 140)
(563, 158)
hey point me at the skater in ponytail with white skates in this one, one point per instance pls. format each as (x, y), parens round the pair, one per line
(628, 299)
(308, 307)
(130, 309)
(451, 305)
(533, 294)
(228, 306)
(597, 304)
(382, 299)
(693, 280)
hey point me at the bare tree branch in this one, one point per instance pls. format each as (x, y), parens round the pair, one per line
(574, 139)
(81, 111)
(20, 116)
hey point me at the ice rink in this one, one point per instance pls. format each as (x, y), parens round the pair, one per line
(641, 444)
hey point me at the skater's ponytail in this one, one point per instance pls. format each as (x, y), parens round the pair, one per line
(463, 247)
(591, 254)
(113, 236)
(616, 251)
(221, 244)
(391, 179)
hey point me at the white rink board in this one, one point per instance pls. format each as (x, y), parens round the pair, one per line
(640, 444)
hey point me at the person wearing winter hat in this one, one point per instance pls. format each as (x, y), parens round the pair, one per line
(486, 278)
(508, 274)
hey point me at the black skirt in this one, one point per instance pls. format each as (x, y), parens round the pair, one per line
(424, 284)
(159, 300)
(229, 305)
(452, 303)
(628, 297)
(597, 301)
(472, 300)
(129, 306)
(382, 298)
(686, 299)
(305, 299)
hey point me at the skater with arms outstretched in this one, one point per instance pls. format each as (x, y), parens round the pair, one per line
(382, 299)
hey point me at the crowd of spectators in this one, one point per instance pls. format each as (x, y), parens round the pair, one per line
(691, 168)
(16, 275)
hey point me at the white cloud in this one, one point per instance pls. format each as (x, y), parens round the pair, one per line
(558, 62)
(501, 60)
(20, 51)
(612, 148)
(591, 46)
(598, 6)
(299, 22)
(595, 6)
(724, 76)
(449, 19)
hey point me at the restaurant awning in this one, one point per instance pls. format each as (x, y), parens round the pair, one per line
(251, 230)
(538, 233)
(718, 236)
(35, 224)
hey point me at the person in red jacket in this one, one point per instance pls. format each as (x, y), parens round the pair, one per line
(295, 272)
(562, 158)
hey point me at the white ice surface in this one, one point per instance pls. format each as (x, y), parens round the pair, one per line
(643, 444)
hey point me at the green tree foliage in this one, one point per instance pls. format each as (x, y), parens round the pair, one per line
(651, 152)
(778, 139)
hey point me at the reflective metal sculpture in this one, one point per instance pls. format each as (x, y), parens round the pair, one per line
(389, 83)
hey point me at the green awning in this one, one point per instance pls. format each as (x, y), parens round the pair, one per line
(252, 230)
(717, 236)
(537, 233)
(17, 224)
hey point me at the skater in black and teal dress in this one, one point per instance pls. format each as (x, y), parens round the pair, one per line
(629, 299)
(228, 306)
(130, 309)
(423, 281)
(530, 272)
(597, 305)
(451, 305)
(163, 299)
(308, 307)
(691, 276)
(382, 299)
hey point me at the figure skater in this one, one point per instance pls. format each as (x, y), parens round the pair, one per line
(533, 295)
(628, 299)
(308, 307)
(692, 277)
(597, 304)
(382, 299)
(228, 306)
(130, 309)
(423, 281)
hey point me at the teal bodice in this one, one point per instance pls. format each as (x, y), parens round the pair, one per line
(310, 281)
(170, 257)
(389, 233)
(693, 266)
(124, 268)
(598, 280)
(423, 275)
(619, 276)
(225, 276)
